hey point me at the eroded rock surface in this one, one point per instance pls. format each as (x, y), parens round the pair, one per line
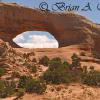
(67, 28)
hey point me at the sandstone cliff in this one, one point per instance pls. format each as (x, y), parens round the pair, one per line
(67, 28)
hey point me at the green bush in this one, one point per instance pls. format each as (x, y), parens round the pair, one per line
(66, 65)
(75, 61)
(32, 85)
(33, 69)
(57, 76)
(58, 72)
(44, 61)
(26, 64)
(15, 74)
(23, 81)
(7, 88)
(95, 54)
(2, 86)
(92, 78)
(2, 71)
(55, 63)
(35, 86)
(20, 92)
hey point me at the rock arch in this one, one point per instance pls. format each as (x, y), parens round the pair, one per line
(67, 28)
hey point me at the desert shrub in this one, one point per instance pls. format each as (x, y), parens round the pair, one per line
(26, 56)
(66, 65)
(20, 93)
(2, 86)
(31, 67)
(34, 60)
(7, 88)
(82, 54)
(32, 85)
(35, 86)
(76, 74)
(28, 65)
(23, 81)
(95, 54)
(57, 76)
(34, 69)
(44, 61)
(31, 54)
(2, 71)
(15, 74)
(75, 61)
(55, 63)
(92, 78)
(58, 72)
(10, 87)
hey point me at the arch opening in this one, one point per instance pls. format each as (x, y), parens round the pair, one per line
(36, 39)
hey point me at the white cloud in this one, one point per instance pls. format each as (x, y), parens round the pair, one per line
(18, 38)
(38, 45)
(38, 38)
(36, 41)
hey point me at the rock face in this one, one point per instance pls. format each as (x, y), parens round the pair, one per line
(3, 48)
(67, 28)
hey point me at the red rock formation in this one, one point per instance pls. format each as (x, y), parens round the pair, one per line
(3, 48)
(67, 28)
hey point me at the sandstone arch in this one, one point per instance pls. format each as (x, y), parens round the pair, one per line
(67, 28)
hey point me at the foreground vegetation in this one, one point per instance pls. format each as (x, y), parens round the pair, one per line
(63, 72)
(58, 72)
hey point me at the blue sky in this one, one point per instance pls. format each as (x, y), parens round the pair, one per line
(93, 15)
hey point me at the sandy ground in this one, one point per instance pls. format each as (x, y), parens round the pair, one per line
(65, 92)
(64, 53)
